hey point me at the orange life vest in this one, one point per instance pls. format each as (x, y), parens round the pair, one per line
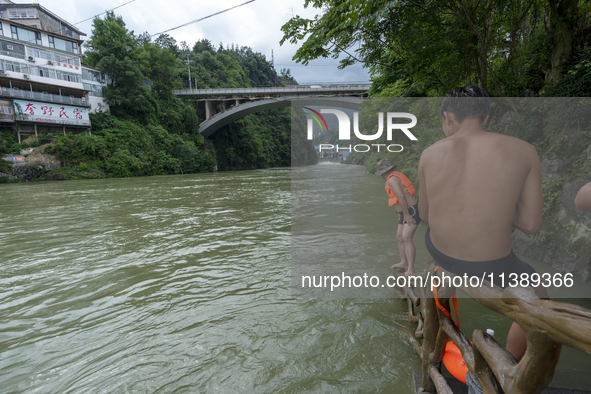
(406, 184)
(452, 357)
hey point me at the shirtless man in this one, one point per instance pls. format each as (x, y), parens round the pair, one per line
(401, 193)
(583, 199)
(475, 186)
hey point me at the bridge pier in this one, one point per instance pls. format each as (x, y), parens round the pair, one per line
(210, 108)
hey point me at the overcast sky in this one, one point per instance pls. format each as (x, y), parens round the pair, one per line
(257, 25)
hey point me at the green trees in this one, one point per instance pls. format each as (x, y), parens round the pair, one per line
(255, 141)
(426, 48)
(150, 131)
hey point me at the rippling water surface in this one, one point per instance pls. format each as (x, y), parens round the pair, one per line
(182, 284)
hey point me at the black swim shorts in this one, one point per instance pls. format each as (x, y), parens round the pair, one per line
(510, 264)
(414, 213)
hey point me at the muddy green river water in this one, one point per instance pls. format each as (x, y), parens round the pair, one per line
(181, 284)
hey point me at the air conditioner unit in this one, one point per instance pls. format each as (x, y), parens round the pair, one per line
(50, 63)
(26, 76)
(31, 59)
(2, 73)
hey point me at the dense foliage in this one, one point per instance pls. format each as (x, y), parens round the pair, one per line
(517, 48)
(424, 49)
(150, 131)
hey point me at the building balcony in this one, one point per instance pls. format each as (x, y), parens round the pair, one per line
(12, 54)
(53, 98)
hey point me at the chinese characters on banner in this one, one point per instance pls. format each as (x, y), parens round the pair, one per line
(35, 111)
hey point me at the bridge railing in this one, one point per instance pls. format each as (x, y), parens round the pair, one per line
(548, 325)
(290, 89)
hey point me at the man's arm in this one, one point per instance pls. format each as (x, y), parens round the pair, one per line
(528, 213)
(583, 199)
(423, 201)
(396, 187)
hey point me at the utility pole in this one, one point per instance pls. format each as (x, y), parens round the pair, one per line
(188, 61)
(273, 66)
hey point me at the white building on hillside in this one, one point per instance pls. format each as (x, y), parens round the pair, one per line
(41, 74)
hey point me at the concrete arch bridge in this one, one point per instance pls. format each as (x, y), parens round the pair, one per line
(220, 107)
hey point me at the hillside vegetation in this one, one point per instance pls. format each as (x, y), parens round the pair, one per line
(148, 130)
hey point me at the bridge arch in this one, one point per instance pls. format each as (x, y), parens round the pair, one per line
(222, 119)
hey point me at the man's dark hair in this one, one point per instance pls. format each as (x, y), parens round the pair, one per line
(467, 102)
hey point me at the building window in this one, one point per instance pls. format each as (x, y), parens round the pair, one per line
(64, 45)
(23, 13)
(66, 31)
(93, 76)
(38, 38)
(14, 66)
(1, 31)
(52, 56)
(18, 33)
(6, 108)
(12, 49)
(2, 14)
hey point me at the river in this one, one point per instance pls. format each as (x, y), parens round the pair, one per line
(182, 284)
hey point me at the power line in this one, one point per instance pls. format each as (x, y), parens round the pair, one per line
(92, 17)
(205, 17)
(186, 24)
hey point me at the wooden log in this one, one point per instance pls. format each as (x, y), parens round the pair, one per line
(399, 293)
(536, 369)
(460, 340)
(411, 295)
(417, 346)
(440, 383)
(419, 331)
(421, 294)
(481, 369)
(442, 336)
(429, 334)
(439, 349)
(564, 323)
(411, 311)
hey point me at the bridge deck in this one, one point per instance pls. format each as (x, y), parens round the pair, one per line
(300, 89)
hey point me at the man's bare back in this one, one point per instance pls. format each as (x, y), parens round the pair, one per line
(477, 186)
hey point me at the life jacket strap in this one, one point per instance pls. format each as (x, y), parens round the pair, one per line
(445, 311)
